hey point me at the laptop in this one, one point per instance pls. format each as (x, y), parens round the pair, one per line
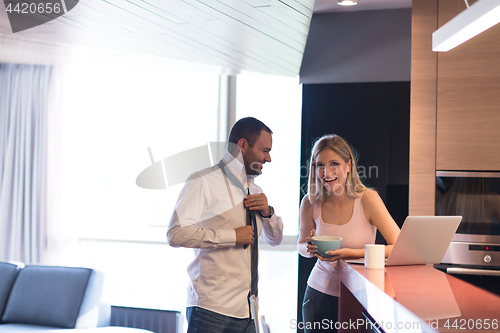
(422, 240)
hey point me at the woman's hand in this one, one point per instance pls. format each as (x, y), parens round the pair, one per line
(338, 254)
(312, 249)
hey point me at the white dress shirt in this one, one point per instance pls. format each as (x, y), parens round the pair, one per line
(208, 211)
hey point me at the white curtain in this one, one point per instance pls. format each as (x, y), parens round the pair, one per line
(23, 154)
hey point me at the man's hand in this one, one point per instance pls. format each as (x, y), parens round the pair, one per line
(257, 202)
(244, 235)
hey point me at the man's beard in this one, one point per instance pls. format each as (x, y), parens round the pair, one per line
(252, 169)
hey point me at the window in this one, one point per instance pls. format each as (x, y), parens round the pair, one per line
(109, 117)
(277, 102)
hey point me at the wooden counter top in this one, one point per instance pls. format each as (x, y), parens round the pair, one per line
(420, 294)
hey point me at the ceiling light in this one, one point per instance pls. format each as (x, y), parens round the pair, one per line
(347, 2)
(479, 17)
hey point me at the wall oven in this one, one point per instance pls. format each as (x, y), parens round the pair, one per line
(475, 249)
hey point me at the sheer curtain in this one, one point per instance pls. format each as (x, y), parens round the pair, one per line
(23, 132)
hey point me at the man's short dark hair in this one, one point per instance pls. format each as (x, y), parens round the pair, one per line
(249, 129)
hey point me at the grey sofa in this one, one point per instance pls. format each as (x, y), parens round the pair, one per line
(37, 298)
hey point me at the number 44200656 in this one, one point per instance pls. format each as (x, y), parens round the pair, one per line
(31, 8)
(478, 324)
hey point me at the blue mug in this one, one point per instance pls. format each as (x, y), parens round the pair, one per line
(326, 243)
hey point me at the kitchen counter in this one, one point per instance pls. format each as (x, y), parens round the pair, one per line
(415, 298)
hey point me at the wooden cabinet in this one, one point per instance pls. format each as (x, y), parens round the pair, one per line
(455, 105)
(468, 100)
(423, 109)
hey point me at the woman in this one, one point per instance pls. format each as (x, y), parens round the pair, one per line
(337, 204)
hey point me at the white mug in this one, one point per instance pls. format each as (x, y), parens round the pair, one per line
(374, 256)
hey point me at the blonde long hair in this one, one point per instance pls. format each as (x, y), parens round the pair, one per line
(339, 145)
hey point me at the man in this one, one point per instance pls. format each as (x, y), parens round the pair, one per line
(217, 217)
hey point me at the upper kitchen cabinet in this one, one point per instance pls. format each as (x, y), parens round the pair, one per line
(468, 100)
(455, 103)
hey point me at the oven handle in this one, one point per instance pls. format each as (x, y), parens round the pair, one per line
(470, 271)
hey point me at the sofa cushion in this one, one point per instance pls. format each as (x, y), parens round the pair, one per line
(90, 310)
(47, 296)
(8, 273)
(15, 328)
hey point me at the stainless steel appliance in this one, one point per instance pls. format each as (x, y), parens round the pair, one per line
(475, 249)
